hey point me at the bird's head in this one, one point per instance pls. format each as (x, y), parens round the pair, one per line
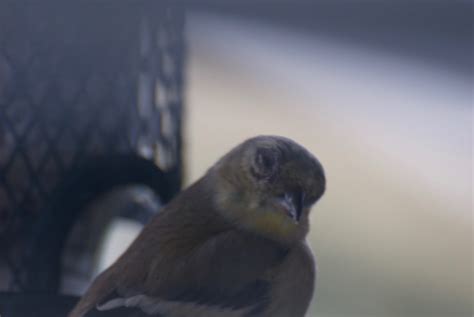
(267, 185)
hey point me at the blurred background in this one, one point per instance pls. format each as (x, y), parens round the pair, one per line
(382, 93)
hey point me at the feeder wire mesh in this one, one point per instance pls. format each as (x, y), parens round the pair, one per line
(80, 82)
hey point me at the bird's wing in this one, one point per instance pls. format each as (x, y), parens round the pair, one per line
(146, 306)
(298, 271)
(225, 276)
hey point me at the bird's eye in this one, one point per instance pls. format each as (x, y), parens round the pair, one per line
(265, 164)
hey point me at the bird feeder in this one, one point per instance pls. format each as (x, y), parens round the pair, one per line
(91, 98)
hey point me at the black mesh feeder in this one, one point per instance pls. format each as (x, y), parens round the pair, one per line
(90, 99)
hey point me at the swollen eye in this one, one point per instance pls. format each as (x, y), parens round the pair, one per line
(266, 160)
(265, 164)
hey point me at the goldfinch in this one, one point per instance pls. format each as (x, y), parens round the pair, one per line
(230, 245)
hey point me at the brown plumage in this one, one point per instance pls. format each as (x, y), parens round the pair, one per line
(230, 245)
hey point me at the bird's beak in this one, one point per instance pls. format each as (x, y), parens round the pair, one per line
(292, 203)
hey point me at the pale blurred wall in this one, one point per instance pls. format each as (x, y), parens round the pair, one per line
(393, 232)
